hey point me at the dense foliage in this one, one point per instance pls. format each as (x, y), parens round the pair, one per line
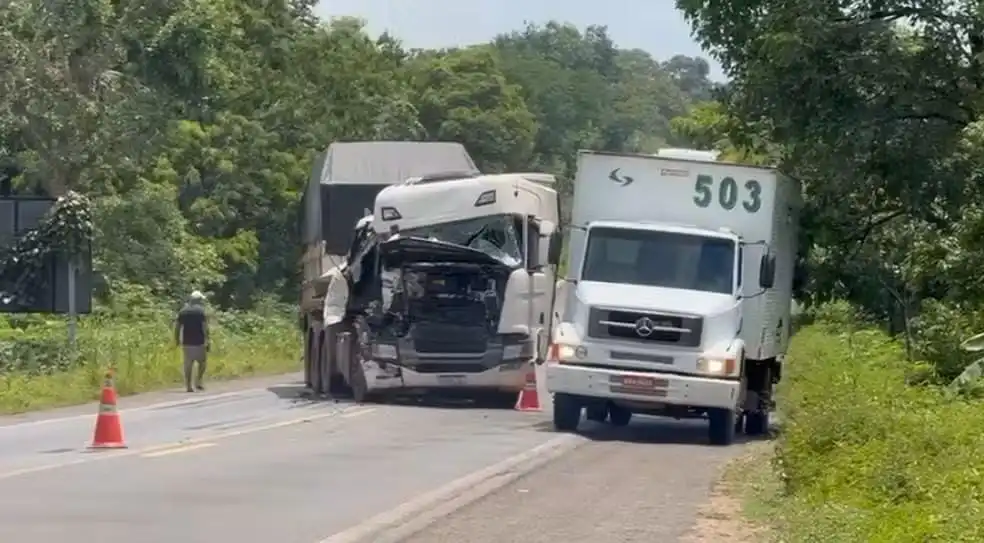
(191, 124)
(862, 455)
(190, 127)
(877, 108)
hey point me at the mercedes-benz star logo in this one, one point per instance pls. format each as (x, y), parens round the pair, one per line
(644, 327)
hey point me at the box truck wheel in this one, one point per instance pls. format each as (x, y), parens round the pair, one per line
(566, 412)
(756, 423)
(619, 416)
(721, 426)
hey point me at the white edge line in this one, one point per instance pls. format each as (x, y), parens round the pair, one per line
(417, 513)
(161, 405)
(106, 455)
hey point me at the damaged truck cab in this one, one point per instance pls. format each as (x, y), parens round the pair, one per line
(345, 180)
(466, 266)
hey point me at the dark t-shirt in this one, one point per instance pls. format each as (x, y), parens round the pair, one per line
(191, 319)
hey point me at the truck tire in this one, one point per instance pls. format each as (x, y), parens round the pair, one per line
(310, 354)
(721, 426)
(359, 350)
(756, 423)
(596, 412)
(619, 416)
(757, 420)
(320, 352)
(566, 413)
(360, 390)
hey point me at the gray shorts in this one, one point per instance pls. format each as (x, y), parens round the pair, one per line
(194, 353)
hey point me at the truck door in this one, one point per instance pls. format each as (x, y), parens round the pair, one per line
(542, 287)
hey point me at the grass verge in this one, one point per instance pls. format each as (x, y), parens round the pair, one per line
(143, 356)
(863, 456)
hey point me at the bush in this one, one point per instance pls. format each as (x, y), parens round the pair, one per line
(38, 370)
(864, 457)
(939, 330)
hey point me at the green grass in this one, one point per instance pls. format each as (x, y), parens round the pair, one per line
(863, 456)
(41, 372)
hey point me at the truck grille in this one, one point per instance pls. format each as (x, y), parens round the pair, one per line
(446, 339)
(645, 327)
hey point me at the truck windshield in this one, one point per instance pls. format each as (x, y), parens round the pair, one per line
(495, 235)
(662, 259)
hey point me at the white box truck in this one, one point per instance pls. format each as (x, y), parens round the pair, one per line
(679, 282)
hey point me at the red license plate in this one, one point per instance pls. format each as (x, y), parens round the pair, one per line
(633, 384)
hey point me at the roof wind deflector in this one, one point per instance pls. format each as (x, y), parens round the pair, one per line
(441, 176)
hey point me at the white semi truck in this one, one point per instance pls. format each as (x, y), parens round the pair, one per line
(449, 285)
(345, 180)
(679, 283)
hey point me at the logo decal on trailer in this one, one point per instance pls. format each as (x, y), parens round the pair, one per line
(622, 181)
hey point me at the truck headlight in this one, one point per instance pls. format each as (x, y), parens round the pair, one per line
(566, 351)
(383, 351)
(510, 352)
(717, 366)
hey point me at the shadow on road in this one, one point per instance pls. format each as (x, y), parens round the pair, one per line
(653, 431)
(300, 394)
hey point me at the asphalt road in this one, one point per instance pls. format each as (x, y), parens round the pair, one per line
(262, 464)
(640, 484)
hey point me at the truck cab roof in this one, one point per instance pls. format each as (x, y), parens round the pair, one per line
(419, 202)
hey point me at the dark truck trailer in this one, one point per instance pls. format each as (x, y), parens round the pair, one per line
(345, 180)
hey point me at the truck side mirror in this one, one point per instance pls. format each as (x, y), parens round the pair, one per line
(556, 248)
(534, 262)
(767, 271)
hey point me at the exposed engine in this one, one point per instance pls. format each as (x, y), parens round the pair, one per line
(447, 305)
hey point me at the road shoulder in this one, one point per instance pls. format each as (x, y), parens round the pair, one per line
(729, 514)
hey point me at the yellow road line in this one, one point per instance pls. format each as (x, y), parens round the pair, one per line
(358, 413)
(347, 412)
(176, 450)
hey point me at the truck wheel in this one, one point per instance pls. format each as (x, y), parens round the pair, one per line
(317, 386)
(757, 423)
(619, 416)
(566, 413)
(310, 353)
(360, 390)
(721, 426)
(596, 412)
(359, 352)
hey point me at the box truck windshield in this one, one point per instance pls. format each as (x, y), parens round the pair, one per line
(661, 259)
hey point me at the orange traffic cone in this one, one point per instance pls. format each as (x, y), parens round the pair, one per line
(529, 397)
(109, 430)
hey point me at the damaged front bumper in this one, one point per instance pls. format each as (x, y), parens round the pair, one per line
(504, 378)
(501, 366)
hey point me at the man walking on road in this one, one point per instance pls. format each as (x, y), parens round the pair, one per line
(191, 333)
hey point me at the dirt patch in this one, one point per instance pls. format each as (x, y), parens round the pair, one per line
(722, 517)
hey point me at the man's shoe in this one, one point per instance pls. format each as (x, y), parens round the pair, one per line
(189, 389)
(201, 388)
